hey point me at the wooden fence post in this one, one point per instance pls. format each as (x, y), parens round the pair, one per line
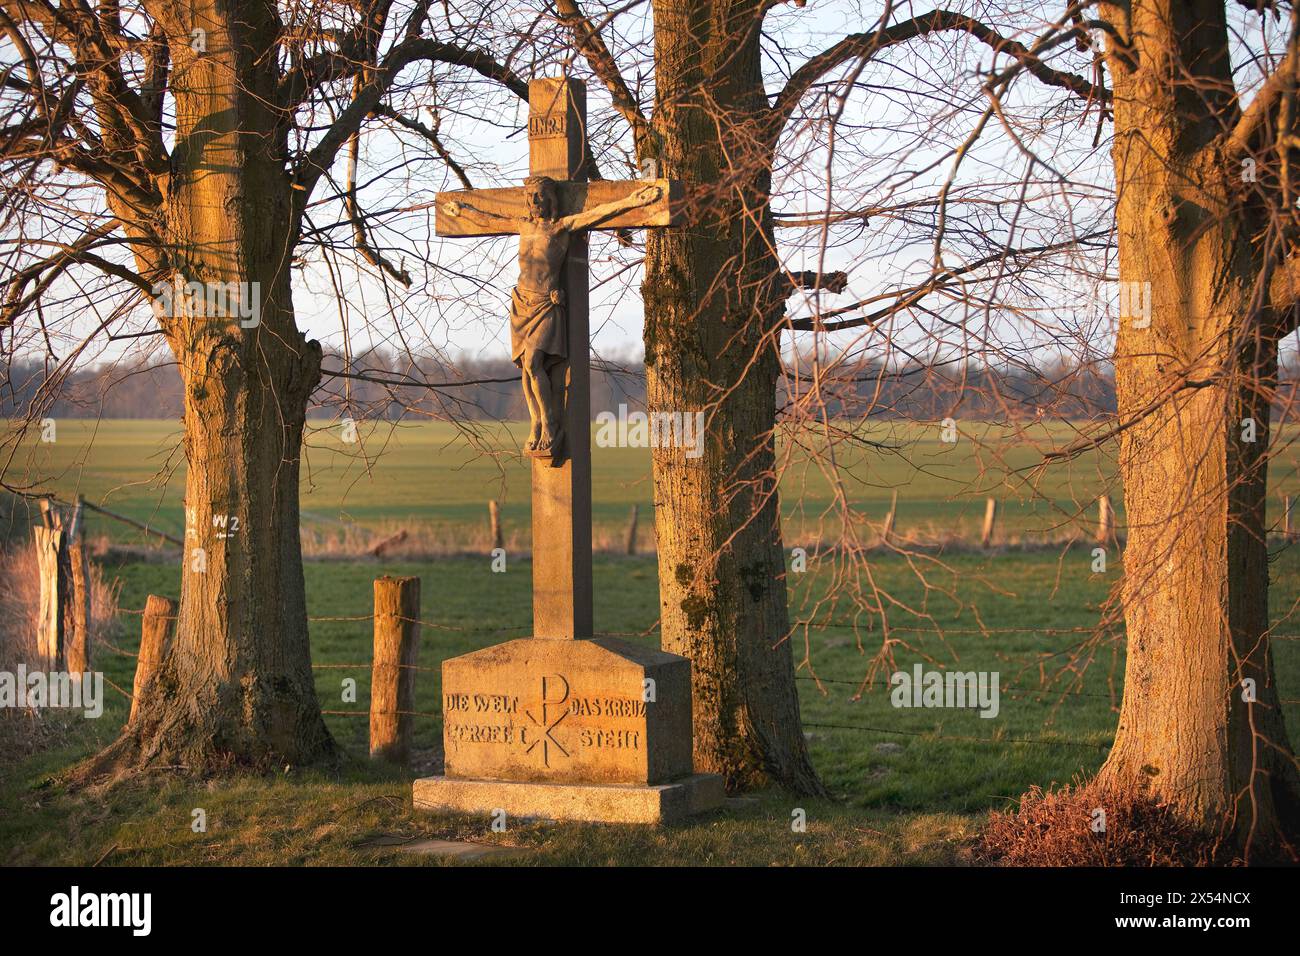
(48, 538)
(887, 532)
(63, 624)
(990, 520)
(1105, 521)
(76, 641)
(494, 525)
(631, 529)
(392, 675)
(156, 629)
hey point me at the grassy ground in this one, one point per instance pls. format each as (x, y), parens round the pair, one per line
(910, 785)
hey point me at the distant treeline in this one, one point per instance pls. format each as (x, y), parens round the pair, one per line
(376, 385)
(379, 385)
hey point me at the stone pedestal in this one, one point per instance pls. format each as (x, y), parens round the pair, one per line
(596, 730)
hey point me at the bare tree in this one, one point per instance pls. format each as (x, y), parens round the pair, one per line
(716, 308)
(1203, 113)
(179, 149)
(1201, 727)
(1204, 225)
(204, 151)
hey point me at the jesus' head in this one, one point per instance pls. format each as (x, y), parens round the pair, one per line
(540, 195)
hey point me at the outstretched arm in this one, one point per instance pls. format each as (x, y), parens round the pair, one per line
(593, 217)
(454, 207)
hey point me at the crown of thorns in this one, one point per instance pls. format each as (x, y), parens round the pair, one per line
(540, 182)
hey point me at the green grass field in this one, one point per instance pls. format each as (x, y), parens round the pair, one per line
(432, 473)
(435, 475)
(911, 786)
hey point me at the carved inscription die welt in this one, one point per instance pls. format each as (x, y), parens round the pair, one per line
(567, 712)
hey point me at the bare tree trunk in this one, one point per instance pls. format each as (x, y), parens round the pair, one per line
(713, 308)
(1200, 726)
(236, 686)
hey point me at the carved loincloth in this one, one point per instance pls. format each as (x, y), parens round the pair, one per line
(537, 324)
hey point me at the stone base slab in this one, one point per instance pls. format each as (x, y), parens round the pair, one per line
(593, 803)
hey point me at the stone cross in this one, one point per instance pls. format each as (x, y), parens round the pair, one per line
(550, 330)
(563, 725)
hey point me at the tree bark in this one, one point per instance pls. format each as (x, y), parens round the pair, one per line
(1191, 733)
(236, 686)
(714, 304)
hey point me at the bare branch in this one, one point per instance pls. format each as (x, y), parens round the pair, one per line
(381, 79)
(588, 42)
(866, 45)
(430, 134)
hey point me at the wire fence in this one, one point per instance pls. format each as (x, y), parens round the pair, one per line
(795, 626)
(1007, 741)
(1033, 695)
(1041, 695)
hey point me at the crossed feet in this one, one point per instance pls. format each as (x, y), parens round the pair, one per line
(541, 446)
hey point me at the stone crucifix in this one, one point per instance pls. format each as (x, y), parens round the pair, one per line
(549, 327)
(538, 326)
(563, 724)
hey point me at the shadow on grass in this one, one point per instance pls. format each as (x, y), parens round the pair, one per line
(362, 816)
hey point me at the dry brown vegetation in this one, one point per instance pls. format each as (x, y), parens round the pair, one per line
(25, 730)
(1055, 828)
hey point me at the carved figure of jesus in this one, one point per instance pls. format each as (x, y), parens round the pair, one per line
(538, 325)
